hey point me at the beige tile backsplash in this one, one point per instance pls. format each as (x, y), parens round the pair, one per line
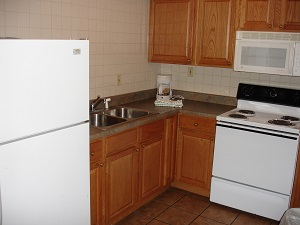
(118, 34)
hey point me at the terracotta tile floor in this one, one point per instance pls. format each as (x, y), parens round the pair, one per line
(179, 207)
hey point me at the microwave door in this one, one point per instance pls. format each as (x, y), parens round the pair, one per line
(264, 56)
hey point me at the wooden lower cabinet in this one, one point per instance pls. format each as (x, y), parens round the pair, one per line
(121, 183)
(134, 168)
(96, 183)
(151, 167)
(96, 171)
(195, 154)
(170, 149)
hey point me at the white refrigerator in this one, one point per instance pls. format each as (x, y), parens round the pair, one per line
(44, 132)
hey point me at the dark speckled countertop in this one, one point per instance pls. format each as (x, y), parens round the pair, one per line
(189, 107)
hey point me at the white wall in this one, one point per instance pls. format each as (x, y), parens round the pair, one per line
(118, 32)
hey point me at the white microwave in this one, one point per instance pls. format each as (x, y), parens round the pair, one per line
(267, 52)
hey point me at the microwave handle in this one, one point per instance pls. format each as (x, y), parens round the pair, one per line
(291, 61)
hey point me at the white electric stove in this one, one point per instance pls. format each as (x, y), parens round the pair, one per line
(256, 148)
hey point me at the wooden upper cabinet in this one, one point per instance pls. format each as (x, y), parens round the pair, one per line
(214, 32)
(171, 31)
(256, 14)
(268, 15)
(290, 15)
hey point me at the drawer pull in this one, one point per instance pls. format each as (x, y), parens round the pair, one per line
(196, 124)
(92, 153)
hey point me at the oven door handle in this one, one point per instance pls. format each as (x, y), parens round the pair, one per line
(260, 131)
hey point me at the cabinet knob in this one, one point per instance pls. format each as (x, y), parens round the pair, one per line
(195, 124)
(228, 63)
(92, 153)
(280, 26)
(143, 146)
(270, 25)
(101, 164)
(137, 150)
(189, 60)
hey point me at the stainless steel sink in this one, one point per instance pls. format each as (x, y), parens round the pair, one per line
(101, 120)
(119, 114)
(128, 113)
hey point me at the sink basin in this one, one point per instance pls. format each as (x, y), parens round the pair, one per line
(101, 120)
(127, 113)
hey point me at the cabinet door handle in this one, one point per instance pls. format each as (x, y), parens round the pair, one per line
(196, 124)
(137, 150)
(189, 60)
(143, 146)
(270, 25)
(101, 164)
(280, 26)
(92, 153)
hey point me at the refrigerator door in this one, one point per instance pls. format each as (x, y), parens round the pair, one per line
(43, 85)
(45, 179)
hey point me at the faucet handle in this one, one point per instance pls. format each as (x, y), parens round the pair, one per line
(106, 101)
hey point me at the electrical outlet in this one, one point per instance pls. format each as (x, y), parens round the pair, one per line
(190, 72)
(119, 79)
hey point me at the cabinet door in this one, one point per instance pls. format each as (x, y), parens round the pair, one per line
(290, 15)
(96, 192)
(170, 147)
(121, 183)
(214, 32)
(256, 14)
(171, 31)
(151, 167)
(194, 159)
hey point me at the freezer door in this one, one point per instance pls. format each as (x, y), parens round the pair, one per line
(44, 84)
(45, 179)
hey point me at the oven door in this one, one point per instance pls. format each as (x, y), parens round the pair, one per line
(257, 157)
(252, 163)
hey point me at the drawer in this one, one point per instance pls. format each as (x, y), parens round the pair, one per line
(121, 141)
(96, 151)
(152, 130)
(204, 124)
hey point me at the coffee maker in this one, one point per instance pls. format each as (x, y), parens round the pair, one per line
(164, 91)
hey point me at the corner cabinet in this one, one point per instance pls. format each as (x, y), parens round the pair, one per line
(214, 33)
(96, 182)
(195, 154)
(268, 15)
(171, 31)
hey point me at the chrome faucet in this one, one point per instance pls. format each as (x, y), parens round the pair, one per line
(96, 102)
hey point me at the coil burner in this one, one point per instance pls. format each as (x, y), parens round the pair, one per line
(237, 116)
(290, 118)
(246, 112)
(281, 122)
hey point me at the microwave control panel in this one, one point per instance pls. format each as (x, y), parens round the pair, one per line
(296, 68)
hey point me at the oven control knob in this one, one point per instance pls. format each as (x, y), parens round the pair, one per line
(273, 93)
(248, 91)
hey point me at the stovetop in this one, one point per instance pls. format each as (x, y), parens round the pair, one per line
(266, 107)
